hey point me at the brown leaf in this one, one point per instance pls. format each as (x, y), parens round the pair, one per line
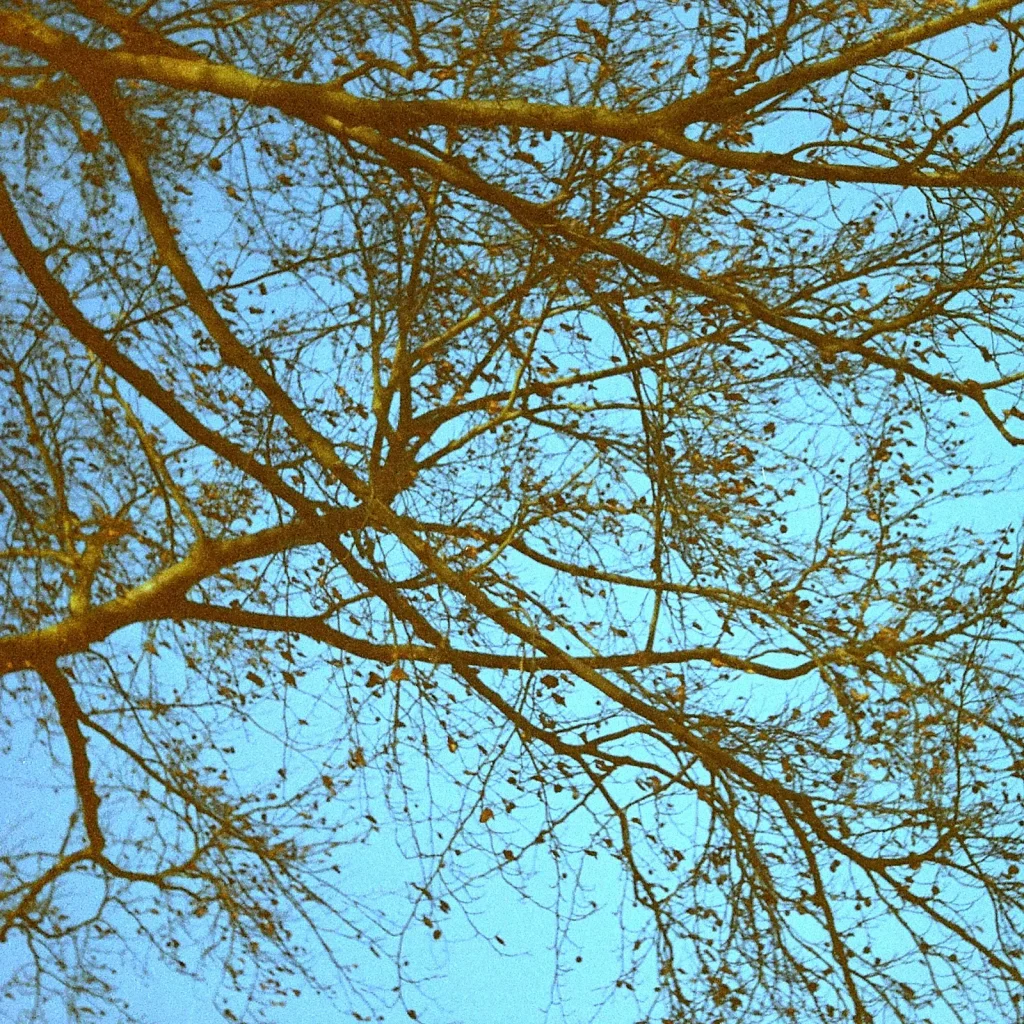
(485, 815)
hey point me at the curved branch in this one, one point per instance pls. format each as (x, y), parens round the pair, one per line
(70, 716)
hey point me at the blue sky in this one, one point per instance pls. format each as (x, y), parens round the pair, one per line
(465, 976)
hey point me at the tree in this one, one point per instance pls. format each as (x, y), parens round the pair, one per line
(545, 427)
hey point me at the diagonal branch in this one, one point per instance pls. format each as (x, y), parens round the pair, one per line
(694, 108)
(56, 296)
(233, 352)
(156, 597)
(70, 716)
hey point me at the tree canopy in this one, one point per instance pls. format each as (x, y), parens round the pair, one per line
(548, 438)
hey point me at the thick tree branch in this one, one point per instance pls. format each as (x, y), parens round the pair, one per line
(394, 118)
(152, 599)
